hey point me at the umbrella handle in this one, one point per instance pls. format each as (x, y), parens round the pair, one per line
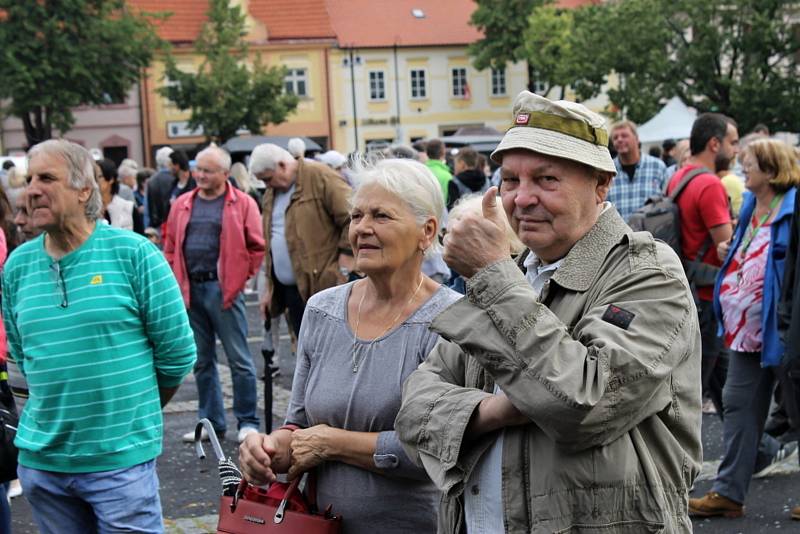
(212, 435)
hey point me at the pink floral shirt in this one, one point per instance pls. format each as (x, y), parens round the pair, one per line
(742, 294)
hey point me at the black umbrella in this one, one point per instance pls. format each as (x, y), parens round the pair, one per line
(246, 143)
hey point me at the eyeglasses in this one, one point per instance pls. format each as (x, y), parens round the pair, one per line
(60, 283)
(206, 171)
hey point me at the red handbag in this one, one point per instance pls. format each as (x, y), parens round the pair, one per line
(281, 509)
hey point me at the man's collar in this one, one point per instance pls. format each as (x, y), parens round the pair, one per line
(578, 269)
(583, 262)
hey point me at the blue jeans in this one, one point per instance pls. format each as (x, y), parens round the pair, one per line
(5, 510)
(207, 319)
(122, 500)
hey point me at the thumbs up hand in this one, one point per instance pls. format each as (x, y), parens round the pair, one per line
(477, 240)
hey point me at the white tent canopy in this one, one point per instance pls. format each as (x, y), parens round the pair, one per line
(674, 121)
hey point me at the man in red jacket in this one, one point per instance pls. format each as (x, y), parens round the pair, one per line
(214, 243)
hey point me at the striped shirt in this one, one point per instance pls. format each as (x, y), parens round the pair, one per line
(629, 194)
(95, 334)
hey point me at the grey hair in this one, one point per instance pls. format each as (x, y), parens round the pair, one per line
(162, 157)
(412, 182)
(297, 147)
(81, 170)
(221, 155)
(266, 157)
(127, 170)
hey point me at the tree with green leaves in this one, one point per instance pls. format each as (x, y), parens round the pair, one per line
(225, 95)
(738, 57)
(503, 24)
(58, 55)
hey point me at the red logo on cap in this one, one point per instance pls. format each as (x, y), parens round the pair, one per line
(522, 118)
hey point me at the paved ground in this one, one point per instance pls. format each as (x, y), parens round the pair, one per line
(190, 487)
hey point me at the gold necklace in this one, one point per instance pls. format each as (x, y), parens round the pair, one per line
(357, 363)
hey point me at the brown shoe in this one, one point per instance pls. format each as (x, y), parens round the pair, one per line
(796, 512)
(713, 504)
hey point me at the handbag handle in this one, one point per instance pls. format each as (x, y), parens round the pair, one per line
(298, 484)
(212, 436)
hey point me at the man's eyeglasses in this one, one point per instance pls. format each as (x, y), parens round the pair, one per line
(203, 170)
(60, 283)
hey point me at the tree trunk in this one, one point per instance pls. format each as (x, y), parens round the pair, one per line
(531, 77)
(36, 130)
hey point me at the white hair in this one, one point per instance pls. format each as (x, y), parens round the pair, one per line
(242, 177)
(80, 169)
(266, 157)
(126, 169)
(220, 154)
(412, 182)
(162, 157)
(297, 147)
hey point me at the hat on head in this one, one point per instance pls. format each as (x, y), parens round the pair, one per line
(560, 129)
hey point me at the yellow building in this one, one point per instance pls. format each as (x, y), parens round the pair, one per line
(294, 34)
(401, 72)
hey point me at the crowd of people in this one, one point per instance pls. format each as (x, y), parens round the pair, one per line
(482, 345)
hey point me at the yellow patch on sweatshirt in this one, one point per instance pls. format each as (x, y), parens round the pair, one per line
(97, 279)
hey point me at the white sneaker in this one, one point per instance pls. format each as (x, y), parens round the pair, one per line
(14, 489)
(244, 431)
(189, 436)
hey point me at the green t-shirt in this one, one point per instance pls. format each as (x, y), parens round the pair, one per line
(95, 334)
(442, 173)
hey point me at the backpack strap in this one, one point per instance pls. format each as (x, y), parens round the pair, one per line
(685, 181)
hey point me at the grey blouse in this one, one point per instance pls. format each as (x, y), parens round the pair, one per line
(401, 498)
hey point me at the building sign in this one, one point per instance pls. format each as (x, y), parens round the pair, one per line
(181, 129)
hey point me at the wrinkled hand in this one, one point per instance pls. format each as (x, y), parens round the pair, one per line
(255, 458)
(474, 241)
(310, 447)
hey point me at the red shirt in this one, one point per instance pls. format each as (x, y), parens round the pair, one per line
(703, 205)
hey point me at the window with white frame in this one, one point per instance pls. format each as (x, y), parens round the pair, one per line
(419, 88)
(459, 77)
(377, 85)
(296, 82)
(499, 82)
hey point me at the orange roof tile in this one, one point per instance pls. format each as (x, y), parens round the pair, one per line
(284, 19)
(293, 19)
(381, 23)
(186, 21)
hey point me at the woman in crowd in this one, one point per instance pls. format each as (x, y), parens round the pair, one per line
(357, 345)
(472, 204)
(745, 300)
(116, 210)
(245, 183)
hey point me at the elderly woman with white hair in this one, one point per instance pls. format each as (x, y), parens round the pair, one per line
(357, 345)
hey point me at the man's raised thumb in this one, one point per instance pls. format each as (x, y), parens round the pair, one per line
(489, 204)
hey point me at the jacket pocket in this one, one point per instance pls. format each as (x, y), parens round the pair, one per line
(617, 527)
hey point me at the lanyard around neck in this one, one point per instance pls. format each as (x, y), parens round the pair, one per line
(759, 223)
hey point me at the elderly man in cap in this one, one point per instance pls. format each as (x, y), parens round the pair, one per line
(565, 393)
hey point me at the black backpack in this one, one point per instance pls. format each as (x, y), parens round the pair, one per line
(661, 217)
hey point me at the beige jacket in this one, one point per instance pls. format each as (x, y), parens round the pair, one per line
(614, 442)
(317, 222)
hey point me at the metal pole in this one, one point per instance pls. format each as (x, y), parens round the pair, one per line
(353, 92)
(399, 130)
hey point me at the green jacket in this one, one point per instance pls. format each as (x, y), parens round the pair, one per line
(614, 440)
(442, 173)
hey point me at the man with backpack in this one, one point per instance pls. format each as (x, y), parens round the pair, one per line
(705, 222)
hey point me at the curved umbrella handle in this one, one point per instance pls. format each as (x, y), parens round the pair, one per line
(212, 435)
